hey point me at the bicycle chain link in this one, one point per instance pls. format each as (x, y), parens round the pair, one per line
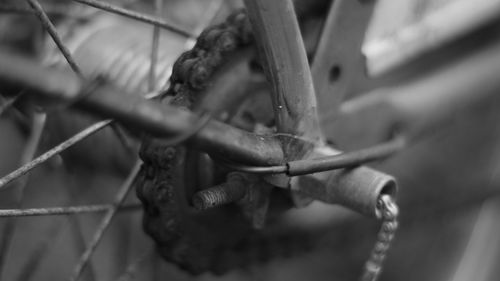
(390, 212)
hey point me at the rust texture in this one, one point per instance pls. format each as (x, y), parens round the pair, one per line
(234, 189)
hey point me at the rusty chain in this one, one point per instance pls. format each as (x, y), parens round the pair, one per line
(159, 186)
(389, 212)
(168, 219)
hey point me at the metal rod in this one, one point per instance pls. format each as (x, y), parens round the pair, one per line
(51, 29)
(333, 162)
(136, 112)
(346, 159)
(233, 189)
(58, 211)
(64, 50)
(10, 227)
(358, 189)
(277, 32)
(54, 151)
(137, 16)
(164, 121)
(106, 221)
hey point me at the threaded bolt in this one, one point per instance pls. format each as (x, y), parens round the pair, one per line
(233, 190)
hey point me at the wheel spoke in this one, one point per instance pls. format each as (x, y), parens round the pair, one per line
(137, 16)
(42, 249)
(54, 151)
(71, 210)
(51, 29)
(28, 154)
(108, 217)
(110, 209)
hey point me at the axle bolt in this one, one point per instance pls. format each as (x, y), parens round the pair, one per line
(234, 189)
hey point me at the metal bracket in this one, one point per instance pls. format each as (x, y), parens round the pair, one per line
(338, 59)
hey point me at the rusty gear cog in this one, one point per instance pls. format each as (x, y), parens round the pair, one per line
(197, 241)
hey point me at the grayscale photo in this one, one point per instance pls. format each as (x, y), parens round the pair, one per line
(266, 140)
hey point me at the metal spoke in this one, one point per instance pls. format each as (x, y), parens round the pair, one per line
(54, 151)
(108, 217)
(64, 50)
(31, 266)
(28, 154)
(71, 210)
(43, 248)
(137, 16)
(51, 29)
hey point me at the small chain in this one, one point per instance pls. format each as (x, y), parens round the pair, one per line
(389, 209)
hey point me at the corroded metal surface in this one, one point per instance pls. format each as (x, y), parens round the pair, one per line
(357, 188)
(197, 241)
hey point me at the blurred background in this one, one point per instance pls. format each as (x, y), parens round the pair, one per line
(449, 179)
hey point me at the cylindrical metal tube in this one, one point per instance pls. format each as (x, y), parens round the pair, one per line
(159, 120)
(358, 188)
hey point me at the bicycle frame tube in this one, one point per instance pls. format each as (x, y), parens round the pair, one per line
(158, 120)
(294, 101)
(217, 138)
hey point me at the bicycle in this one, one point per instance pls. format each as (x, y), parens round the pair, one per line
(296, 149)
